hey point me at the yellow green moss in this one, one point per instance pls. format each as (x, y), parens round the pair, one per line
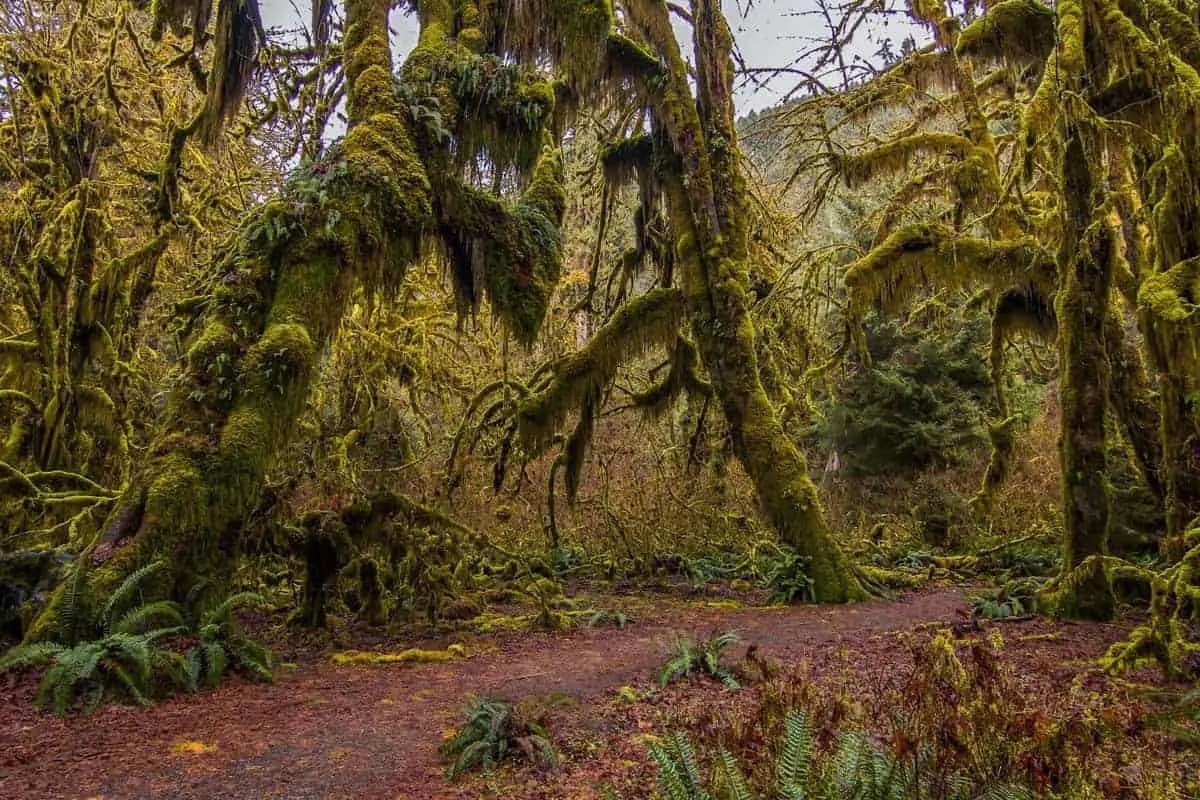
(454, 652)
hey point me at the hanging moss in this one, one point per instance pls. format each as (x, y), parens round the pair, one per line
(896, 155)
(356, 216)
(235, 52)
(1017, 30)
(922, 255)
(651, 320)
(500, 110)
(625, 158)
(513, 252)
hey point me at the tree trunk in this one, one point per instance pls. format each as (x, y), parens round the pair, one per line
(777, 467)
(1085, 280)
(707, 203)
(247, 373)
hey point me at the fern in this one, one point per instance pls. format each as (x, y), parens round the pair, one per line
(792, 768)
(671, 782)
(495, 731)
(220, 645)
(136, 619)
(731, 777)
(69, 609)
(617, 619)
(124, 593)
(689, 656)
(30, 655)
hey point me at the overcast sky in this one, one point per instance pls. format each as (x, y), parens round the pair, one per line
(770, 35)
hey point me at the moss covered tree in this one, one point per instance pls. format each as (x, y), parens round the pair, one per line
(1026, 183)
(405, 174)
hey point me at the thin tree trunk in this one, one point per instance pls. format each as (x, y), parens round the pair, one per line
(1085, 280)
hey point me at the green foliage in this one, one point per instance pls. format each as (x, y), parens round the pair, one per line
(996, 607)
(857, 769)
(788, 578)
(116, 654)
(495, 731)
(113, 654)
(220, 646)
(987, 743)
(920, 401)
(618, 619)
(704, 657)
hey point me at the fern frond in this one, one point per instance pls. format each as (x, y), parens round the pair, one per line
(253, 657)
(795, 756)
(131, 684)
(678, 666)
(69, 669)
(30, 655)
(135, 620)
(671, 782)
(124, 592)
(194, 663)
(135, 650)
(689, 769)
(1006, 792)
(224, 611)
(732, 778)
(473, 755)
(216, 662)
(69, 610)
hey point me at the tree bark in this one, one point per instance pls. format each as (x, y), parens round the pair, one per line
(1085, 280)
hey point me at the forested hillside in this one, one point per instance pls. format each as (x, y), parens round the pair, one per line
(512, 418)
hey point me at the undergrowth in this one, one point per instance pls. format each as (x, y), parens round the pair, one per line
(118, 653)
(957, 727)
(700, 658)
(495, 731)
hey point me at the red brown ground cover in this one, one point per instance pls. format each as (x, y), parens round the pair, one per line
(326, 731)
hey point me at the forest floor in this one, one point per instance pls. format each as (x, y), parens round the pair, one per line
(323, 730)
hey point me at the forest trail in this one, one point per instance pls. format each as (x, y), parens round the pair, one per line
(326, 731)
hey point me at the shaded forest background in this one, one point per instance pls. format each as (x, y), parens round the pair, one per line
(548, 311)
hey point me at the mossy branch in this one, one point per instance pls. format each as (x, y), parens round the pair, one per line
(652, 320)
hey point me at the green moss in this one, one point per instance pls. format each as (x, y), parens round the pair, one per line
(1019, 30)
(454, 652)
(651, 320)
(514, 252)
(930, 254)
(1086, 260)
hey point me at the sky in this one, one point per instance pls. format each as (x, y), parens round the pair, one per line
(770, 34)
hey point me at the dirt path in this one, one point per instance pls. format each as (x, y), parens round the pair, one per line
(372, 732)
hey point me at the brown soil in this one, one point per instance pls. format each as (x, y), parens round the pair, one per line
(324, 731)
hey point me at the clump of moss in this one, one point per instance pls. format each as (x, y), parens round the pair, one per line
(454, 652)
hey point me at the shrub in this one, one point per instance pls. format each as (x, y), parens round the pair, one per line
(921, 402)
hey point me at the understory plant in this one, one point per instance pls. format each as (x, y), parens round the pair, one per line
(113, 653)
(690, 657)
(858, 768)
(958, 727)
(116, 653)
(220, 645)
(496, 731)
